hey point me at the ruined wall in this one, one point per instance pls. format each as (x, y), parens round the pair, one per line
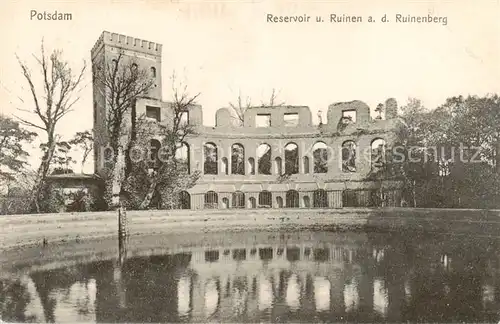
(363, 132)
(275, 126)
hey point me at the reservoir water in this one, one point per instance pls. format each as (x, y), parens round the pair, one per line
(263, 277)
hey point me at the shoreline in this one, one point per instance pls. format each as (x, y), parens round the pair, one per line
(31, 230)
(88, 237)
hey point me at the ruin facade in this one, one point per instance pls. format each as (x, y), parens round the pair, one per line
(275, 158)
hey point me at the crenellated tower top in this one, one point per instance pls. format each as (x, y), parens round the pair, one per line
(126, 43)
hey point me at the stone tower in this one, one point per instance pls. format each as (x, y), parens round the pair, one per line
(145, 54)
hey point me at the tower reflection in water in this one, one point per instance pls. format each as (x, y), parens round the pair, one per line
(347, 280)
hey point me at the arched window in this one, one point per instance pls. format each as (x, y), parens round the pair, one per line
(225, 166)
(114, 64)
(183, 157)
(251, 165)
(278, 165)
(238, 199)
(320, 155)
(252, 203)
(378, 147)
(291, 158)
(154, 148)
(264, 159)
(292, 199)
(134, 68)
(265, 199)
(211, 159)
(237, 159)
(153, 72)
(279, 202)
(211, 200)
(184, 200)
(320, 198)
(306, 164)
(307, 201)
(348, 156)
(225, 203)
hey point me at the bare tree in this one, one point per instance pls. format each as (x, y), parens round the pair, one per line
(243, 104)
(172, 136)
(121, 82)
(239, 109)
(59, 94)
(273, 100)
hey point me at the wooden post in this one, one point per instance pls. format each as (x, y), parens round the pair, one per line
(122, 222)
(122, 233)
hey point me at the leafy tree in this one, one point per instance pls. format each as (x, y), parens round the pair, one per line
(81, 201)
(19, 191)
(210, 154)
(379, 110)
(349, 157)
(237, 159)
(320, 160)
(264, 162)
(291, 160)
(475, 122)
(344, 121)
(437, 148)
(85, 141)
(12, 154)
(52, 198)
(168, 172)
(58, 95)
(61, 158)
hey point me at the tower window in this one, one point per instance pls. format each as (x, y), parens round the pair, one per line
(349, 116)
(153, 113)
(263, 120)
(291, 119)
(153, 72)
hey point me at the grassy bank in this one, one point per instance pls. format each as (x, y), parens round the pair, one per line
(26, 230)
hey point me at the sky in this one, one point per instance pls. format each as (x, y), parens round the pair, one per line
(221, 48)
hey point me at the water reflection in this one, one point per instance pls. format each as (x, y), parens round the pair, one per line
(265, 300)
(351, 296)
(353, 277)
(293, 293)
(211, 297)
(322, 294)
(34, 309)
(76, 303)
(380, 297)
(184, 296)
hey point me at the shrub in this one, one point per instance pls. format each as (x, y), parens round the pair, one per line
(52, 199)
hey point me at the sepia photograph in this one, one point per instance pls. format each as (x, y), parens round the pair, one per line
(255, 161)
